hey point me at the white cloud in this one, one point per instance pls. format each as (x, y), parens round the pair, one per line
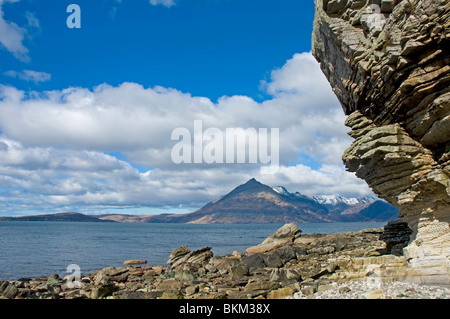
(139, 121)
(59, 179)
(167, 3)
(54, 145)
(329, 179)
(32, 20)
(30, 75)
(12, 36)
(299, 76)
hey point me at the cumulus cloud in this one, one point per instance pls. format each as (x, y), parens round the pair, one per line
(329, 179)
(62, 142)
(139, 120)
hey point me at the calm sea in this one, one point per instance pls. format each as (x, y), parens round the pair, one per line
(38, 249)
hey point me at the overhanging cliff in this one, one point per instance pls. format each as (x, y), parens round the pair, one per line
(388, 62)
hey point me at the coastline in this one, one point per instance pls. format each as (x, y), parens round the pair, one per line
(38, 249)
(286, 265)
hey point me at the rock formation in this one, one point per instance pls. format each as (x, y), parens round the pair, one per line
(388, 63)
(193, 259)
(285, 235)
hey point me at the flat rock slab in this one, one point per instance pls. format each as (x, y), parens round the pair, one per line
(135, 262)
(285, 235)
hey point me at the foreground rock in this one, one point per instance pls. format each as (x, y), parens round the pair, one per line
(283, 236)
(294, 267)
(135, 262)
(194, 260)
(388, 63)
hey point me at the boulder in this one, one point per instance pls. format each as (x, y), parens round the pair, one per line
(224, 264)
(254, 261)
(280, 293)
(257, 285)
(238, 271)
(103, 291)
(170, 285)
(178, 254)
(183, 255)
(284, 275)
(108, 274)
(8, 290)
(171, 295)
(283, 236)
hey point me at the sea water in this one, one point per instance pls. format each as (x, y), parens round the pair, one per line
(38, 249)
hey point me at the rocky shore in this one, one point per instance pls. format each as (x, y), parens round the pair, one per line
(362, 264)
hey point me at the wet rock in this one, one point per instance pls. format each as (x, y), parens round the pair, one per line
(396, 235)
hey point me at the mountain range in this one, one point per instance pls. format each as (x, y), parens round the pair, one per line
(60, 217)
(254, 202)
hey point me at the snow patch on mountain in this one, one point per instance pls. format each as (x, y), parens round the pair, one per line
(330, 199)
(281, 190)
(337, 199)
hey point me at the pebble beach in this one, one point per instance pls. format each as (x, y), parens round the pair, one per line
(365, 290)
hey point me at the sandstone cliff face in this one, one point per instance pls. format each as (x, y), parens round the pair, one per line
(388, 62)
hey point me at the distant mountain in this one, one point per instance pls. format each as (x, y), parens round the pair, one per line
(367, 208)
(254, 202)
(60, 217)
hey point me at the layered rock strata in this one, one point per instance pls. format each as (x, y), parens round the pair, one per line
(388, 62)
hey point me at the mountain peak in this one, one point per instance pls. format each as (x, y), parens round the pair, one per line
(255, 202)
(252, 181)
(251, 186)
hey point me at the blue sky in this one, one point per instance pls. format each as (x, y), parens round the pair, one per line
(86, 114)
(204, 47)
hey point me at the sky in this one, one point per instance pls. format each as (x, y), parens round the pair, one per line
(87, 114)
